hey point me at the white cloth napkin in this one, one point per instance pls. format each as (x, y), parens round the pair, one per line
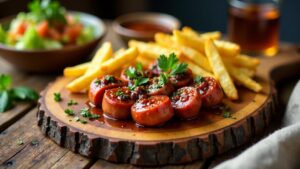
(280, 150)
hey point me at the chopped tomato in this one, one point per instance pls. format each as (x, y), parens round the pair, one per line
(43, 28)
(73, 32)
(21, 28)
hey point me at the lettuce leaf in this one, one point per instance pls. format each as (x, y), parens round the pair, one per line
(30, 40)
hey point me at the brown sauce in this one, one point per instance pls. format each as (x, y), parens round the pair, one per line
(174, 123)
(146, 27)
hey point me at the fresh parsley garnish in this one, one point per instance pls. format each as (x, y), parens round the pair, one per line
(139, 67)
(86, 113)
(110, 78)
(135, 72)
(35, 142)
(49, 10)
(57, 97)
(170, 65)
(119, 93)
(227, 114)
(72, 102)
(69, 112)
(137, 75)
(20, 142)
(9, 95)
(77, 119)
(199, 79)
(139, 82)
(163, 79)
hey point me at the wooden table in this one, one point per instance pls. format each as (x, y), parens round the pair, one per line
(22, 145)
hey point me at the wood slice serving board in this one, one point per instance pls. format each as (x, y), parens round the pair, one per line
(176, 142)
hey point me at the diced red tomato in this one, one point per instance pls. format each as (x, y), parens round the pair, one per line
(72, 32)
(43, 28)
(21, 28)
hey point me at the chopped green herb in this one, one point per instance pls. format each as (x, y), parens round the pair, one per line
(72, 102)
(119, 93)
(83, 121)
(69, 112)
(170, 65)
(34, 142)
(97, 82)
(76, 118)
(47, 10)
(139, 82)
(57, 97)
(139, 67)
(86, 113)
(199, 79)
(227, 114)
(20, 142)
(163, 79)
(110, 78)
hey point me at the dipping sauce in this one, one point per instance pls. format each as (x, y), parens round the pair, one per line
(146, 27)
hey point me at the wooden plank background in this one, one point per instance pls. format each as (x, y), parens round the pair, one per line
(22, 145)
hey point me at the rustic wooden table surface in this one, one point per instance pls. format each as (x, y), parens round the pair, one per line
(18, 125)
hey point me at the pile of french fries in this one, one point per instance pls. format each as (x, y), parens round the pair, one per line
(205, 53)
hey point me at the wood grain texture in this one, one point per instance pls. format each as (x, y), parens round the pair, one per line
(253, 113)
(36, 151)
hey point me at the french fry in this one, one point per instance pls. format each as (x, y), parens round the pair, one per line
(209, 35)
(227, 49)
(82, 82)
(150, 50)
(246, 61)
(123, 58)
(197, 70)
(118, 52)
(101, 55)
(197, 42)
(248, 72)
(220, 71)
(197, 57)
(243, 79)
(77, 70)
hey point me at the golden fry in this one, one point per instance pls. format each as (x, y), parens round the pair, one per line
(220, 71)
(83, 82)
(246, 61)
(150, 50)
(243, 79)
(103, 54)
(77, 70)
(209, 35)
(197, 57)
(123, 58)
(197, 42)
(227, 49)
(197, 70)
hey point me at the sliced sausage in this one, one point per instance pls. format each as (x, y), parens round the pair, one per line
(182, 79)
(152, 111)
(117, 103)
(155, 88)
(186, 102)
(99, 85)
(210, 91)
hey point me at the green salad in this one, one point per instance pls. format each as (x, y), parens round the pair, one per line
(47, 25)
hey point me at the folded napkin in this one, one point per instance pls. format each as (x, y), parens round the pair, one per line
(280, 150)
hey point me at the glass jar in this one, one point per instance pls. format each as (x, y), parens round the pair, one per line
(254, 25)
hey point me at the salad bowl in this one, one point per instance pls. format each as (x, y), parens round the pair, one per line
(53, 60)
